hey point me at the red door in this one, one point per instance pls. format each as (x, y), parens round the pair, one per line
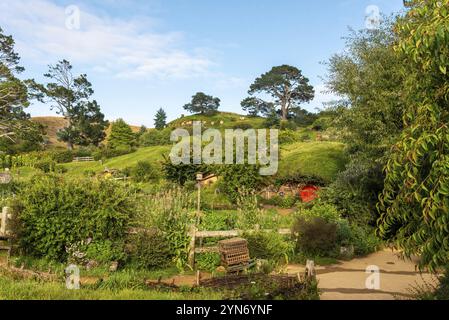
(309, 193)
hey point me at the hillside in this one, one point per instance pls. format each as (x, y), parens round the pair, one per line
(54, 124)
(220, 120)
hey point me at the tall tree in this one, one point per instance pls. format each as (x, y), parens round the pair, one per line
(255, 107)
(286, 85)
(15, 124)
(160, 120)
(122, 136)
(70, 97)
(415, 201)
(203, 104)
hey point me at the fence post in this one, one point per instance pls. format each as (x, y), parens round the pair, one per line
(4, 221)
(192, 235)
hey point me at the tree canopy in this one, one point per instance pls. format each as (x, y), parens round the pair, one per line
(122, 136)
(203, 104)
(414, 205)
(15, 125)
(70, 97)
(285, 84)
(160, 120)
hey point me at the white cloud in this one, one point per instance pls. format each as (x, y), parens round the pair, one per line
(124, 48)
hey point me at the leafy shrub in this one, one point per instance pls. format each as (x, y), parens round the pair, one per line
(315, 236)
(268, 246)
(45, 165)
(171, 212)
(219, 220)
(155, 138)
(106, 251)
(55, 213)
(242, 126)
(65, 156)
(288, 136)
(208, 261)
(285, 202)
(151, 251)
(239, 179)
(107, 152)
(144, 171)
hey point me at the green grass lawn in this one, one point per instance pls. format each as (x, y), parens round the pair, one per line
(36, 290)
(151, 154)
(323, 159)
(230, 120)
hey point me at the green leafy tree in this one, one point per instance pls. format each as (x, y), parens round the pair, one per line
(285, 84)
(203, 104)
(70, 97)
(414, 205)
(369, 81)
(255, 107)
(160, 120)
(122, 136)
(15, 125)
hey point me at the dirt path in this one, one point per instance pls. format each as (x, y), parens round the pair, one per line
(346, 281)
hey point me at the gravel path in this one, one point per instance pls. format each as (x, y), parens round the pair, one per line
(347, 280)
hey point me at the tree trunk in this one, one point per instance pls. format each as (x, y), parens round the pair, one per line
(69, 145)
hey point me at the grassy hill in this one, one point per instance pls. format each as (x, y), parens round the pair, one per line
(220, 120)
(54, 124)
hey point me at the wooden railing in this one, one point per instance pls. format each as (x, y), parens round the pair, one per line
(195, 234)
(83, 159)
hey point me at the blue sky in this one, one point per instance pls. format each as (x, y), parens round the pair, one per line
(143, 55)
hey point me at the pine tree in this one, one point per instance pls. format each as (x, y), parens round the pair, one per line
(160, 120)
(122, 136)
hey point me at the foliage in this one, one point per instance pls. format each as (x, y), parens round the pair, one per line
(414, 205)
(55, 213)
(17, 132)
(203, 104)
(208, 261)
(316, 236)
(172, 213)
(160, 120)
(286, 85)
(144, 171)
(239, 179)
(70, 96)
(151, 251)
(122, 136)
(155, 138)
(268, 246)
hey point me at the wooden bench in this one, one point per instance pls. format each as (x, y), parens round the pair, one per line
(235, 255)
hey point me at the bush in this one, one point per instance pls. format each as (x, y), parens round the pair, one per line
(45, 165)
(151, 251)
(155, 138)
(144, 171)
(208, 261)
(107, 152)
(55, 213)
(285, 202)
(268, 246)
(316, 236)
(65, 156)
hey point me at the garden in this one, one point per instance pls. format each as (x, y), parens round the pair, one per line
(94, 209)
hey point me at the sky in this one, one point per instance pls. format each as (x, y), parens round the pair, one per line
(142, 55)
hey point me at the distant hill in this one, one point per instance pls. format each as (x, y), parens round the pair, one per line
(54, 124)
(220, 120)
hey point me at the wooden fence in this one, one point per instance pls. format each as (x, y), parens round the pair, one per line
(83, 159)
(195, 234)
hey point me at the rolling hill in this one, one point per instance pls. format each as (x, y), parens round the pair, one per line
(54, 124)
